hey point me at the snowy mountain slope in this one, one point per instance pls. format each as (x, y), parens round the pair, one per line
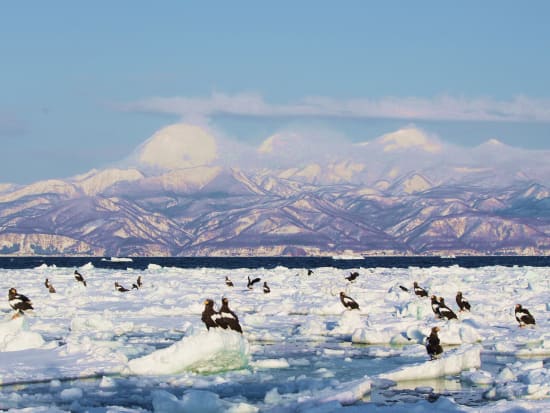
(402, 193)
(323, 221)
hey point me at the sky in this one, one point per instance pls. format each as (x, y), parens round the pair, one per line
(84, 83)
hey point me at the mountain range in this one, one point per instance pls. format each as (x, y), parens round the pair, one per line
(185, 193)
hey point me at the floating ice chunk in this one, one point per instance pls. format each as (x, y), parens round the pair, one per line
(346, 393)
(210, 351)
(272, 396)
(477, 377)
(266, 336)
(506, 374)
(333, 352)
(271, 364)
(299, 362)
(533, 351)
(312, 327)
(372, 335)
(154, 267)
(348, 323)
(536, 377)
(452, 362)
(505, 347)
(107, 382)
(521, 379)
(456, 333)
(530, 365)
(73, 393)
(197, 401)
(400, 339)
(14, 336)
(329, 399)
(381, 352)
(507, 390)
(411, 404)
(324, 373)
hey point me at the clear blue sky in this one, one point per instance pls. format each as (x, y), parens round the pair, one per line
(84, 83)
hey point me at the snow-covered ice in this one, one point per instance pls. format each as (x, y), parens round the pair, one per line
(96, 349)
(206, 352)
(451, 363)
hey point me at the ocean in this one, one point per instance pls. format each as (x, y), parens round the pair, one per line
(141, 263)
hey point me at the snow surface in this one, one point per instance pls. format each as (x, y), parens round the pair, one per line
(207, 352)
(96, 349)
(452, 363)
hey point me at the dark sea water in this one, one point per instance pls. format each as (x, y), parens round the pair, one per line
(272, 262)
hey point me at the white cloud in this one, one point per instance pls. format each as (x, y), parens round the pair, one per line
(178, 146)
(521, 108)
(410, 137)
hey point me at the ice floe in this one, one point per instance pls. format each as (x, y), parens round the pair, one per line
(207, 352)
(300, 349)
(450, 363)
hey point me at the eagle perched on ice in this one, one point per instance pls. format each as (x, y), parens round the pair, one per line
(348, 302)
(19, 302)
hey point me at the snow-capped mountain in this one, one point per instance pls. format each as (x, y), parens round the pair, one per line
(403, 193)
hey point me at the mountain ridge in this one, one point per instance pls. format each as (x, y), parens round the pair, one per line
(410, 200)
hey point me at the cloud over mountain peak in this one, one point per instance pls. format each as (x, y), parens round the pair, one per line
(409, 138)
(177, 146)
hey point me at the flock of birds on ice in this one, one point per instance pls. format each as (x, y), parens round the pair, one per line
(226, 318)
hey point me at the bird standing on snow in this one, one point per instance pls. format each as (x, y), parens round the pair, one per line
(433, 346)
(251, 283)
(404, 288)
(352, 276)
(228, 282)
(78, 277)
(227, 318)
(523, 316)
(348, 302)
(18, 302)
(435, 306)
(461, 302)
(267, 290)
(120, 288)
(309, 272)
(49, 286)
(445, 311)
(419, 291)
(209, 315)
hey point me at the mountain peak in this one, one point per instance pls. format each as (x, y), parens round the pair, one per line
(177, 146)
(494, 142)
(95, 182)
(408, 138)
(279, 141)
(411, 184)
